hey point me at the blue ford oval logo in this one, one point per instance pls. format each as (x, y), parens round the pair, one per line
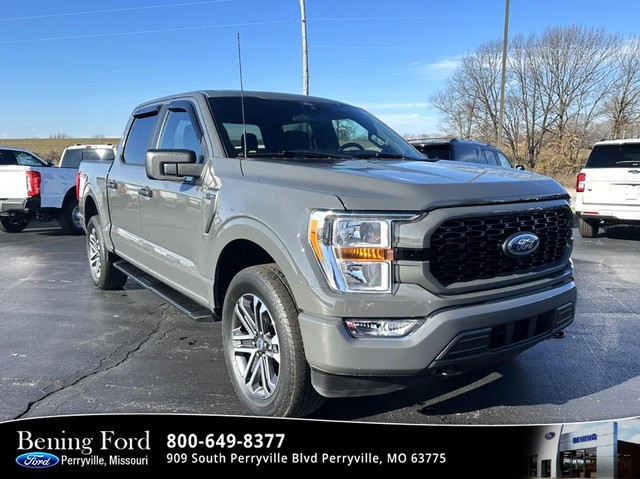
(520, 244)
(37, 460)
(550, 435)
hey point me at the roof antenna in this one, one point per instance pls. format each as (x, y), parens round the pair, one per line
(243, 143)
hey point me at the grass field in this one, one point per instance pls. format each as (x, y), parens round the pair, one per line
(52, 148)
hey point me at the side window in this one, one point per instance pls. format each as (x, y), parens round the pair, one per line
(179, 133)
(7, 157)
(138, 139)
(25, 159)
(466, 153)
(490, 156)
(503, 160)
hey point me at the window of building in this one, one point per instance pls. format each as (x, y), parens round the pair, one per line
(579, 463)
(533, 466)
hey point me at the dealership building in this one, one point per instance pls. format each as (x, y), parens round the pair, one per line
(587, 450)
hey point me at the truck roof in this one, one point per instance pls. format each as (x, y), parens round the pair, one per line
(236, 93)
(618, 142)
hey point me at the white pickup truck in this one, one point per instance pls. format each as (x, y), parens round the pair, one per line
(32, 188)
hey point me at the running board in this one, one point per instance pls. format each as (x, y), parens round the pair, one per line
(182, 303)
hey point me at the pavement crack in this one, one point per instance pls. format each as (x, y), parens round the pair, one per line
(162, 308)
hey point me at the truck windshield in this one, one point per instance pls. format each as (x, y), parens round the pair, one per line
(284, 128)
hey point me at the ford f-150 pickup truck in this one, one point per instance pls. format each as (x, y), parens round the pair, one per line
(31, 188)
(340, 260)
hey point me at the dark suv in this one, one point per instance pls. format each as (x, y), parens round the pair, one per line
(463, 150)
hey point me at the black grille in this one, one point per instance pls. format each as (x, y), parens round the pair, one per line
(468, 249)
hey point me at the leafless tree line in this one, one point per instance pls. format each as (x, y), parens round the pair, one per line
(565, 89)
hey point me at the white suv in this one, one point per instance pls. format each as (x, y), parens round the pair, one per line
(608, 187)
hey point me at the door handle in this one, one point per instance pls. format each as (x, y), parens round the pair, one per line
(145, 192)
(112, 184)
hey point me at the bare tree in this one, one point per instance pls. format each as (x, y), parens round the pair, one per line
(575, 64)
(622, 107)
(458, 109)
(469, 102)
(556, 88)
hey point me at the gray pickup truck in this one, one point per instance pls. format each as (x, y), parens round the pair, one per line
(340, 261)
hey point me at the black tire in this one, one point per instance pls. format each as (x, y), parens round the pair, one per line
(588, 228)
(69, 217)
(272, 345)
(13, 225)
(103, 274)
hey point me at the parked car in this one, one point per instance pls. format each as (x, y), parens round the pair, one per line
(608, 186)
(32, 188)
(340, 262)
(463, 150)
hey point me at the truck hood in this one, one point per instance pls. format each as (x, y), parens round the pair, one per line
(404, 185)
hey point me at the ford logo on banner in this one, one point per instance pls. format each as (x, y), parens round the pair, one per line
(550, 435)
(37, 460)
(520, 244)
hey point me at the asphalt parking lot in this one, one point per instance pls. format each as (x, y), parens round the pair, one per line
(67, 348)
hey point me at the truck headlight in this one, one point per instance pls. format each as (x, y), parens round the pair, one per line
(354, 250)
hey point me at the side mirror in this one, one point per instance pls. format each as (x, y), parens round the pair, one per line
(172, 165)
(49, 162)
(520, 167)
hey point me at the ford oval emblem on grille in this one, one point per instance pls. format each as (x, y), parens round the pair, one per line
(520, 244)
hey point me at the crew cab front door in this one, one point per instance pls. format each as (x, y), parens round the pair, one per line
(174, 213)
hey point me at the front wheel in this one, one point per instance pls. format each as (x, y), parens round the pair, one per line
(263, 345)
(13, 225)
(103, 274)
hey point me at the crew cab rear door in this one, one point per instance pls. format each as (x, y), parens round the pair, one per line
(123, 184)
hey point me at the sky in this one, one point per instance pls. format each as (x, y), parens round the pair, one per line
(78, 67)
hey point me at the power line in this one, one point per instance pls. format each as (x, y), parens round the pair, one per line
(141, 32)
(112, 10)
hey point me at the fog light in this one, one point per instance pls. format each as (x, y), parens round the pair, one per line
(382, 328)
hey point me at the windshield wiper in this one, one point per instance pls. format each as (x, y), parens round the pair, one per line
(378, 154)
(299, 154)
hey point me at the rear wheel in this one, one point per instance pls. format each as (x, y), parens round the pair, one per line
(103, 274)
(263, 345)
(69, 217)
(13, 225)
(588, 228)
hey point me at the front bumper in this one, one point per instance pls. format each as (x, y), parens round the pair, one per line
(451, 341)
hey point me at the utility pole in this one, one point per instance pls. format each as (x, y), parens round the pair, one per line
(305, 59)
(505, 41)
